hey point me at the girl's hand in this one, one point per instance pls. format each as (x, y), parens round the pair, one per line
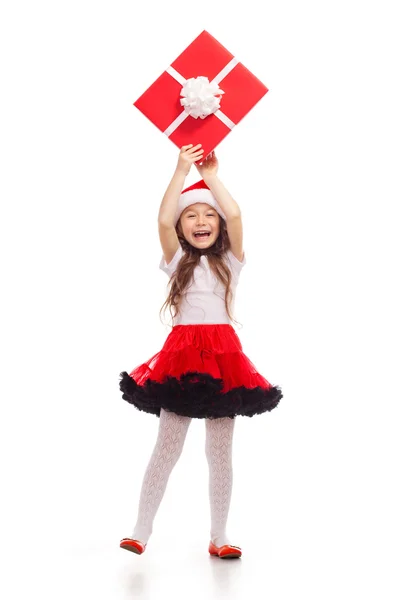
(187, 156)
(209, 166)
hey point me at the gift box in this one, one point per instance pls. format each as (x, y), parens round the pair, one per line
(202, 95)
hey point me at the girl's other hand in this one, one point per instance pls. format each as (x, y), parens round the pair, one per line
(209, 166)
(187, 156)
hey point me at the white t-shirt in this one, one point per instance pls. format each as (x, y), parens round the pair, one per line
(204, 300)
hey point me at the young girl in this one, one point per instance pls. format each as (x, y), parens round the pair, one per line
(201, 371)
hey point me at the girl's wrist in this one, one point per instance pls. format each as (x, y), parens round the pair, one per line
(180, 173)
(210, 177)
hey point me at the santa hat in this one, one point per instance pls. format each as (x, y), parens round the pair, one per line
(198, 192)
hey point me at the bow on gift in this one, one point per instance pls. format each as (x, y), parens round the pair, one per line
(201, 97)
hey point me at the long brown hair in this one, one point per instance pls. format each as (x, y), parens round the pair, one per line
(182, 277)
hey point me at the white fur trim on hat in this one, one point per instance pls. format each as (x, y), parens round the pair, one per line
(197, 195)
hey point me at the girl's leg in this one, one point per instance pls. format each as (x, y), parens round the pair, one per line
(219, 435)
(171, 437)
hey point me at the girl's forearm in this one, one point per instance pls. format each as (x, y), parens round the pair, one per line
(169, 203)
(229, 206)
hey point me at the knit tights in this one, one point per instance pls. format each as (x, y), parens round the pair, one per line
(168, 448)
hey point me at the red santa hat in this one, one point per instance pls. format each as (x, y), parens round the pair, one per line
(198, 192)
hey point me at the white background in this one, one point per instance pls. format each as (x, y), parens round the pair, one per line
(315, 169)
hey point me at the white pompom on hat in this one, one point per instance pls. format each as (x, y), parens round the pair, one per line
(198, 192)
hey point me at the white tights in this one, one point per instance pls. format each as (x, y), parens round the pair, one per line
(169, 445)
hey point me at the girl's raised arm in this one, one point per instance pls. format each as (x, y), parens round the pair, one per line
(169, 204)
(187, 156)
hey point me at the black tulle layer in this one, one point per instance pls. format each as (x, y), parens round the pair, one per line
(198, 395)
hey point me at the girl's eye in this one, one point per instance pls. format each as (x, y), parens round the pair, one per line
(190, 216)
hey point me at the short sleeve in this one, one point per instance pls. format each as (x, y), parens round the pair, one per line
(170, 268)
(236, 265)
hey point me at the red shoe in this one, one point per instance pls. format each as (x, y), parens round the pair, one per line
(226, 551)
(132, 545)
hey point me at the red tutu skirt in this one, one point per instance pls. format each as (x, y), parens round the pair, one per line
(201, 372)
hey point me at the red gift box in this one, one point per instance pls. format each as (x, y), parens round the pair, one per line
(205, 57)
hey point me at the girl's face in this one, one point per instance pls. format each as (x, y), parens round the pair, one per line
(200, 217)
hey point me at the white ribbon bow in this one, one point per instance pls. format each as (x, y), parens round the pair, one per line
(200, 97)
(203, 100)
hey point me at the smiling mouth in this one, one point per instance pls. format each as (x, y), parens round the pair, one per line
(202, 236)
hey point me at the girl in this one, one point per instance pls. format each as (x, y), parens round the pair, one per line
(201, 371)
